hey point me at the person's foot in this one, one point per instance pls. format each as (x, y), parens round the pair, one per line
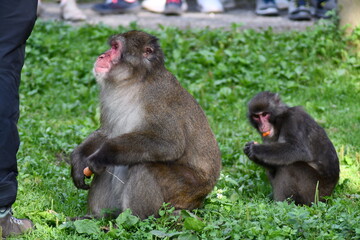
(10, 225)
(323, 8)
(173, 7)
(40, 8)
(210, 6)
(299, 10)
(117, 6)
(70, 11)
(158, 6)
(282, 4)
(266, 8)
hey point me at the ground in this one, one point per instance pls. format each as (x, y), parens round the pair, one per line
(242, 14)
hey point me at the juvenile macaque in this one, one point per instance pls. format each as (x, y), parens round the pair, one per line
(154, 144)
(297, 153)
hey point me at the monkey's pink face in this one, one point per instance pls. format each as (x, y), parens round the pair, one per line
(106, 60)
(264, 125)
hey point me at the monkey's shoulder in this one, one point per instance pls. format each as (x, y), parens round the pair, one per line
(297, 115)
(167, 90)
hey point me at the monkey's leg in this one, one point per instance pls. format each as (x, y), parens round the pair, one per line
(282, 184)
(142, 193)
(296, 181)
(106, 191)
(307, 185)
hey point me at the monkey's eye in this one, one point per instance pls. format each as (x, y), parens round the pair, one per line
(255, 116)
(265, 114)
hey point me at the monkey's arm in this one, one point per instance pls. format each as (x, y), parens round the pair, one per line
(277, 154)
(152, 145)
(292, 144)
(80, 154)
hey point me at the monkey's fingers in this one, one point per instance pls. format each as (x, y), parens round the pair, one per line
(80, 183)
(87, 172)
(247, 148)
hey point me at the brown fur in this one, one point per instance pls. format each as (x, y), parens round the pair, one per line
(154, 136)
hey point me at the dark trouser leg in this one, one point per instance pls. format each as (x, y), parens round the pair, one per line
(17, 19)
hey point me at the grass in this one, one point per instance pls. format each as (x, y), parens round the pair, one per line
(222, 70)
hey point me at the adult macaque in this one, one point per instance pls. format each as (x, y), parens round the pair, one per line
(298, 155)
(154, 144)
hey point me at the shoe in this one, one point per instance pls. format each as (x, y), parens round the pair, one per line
(10, 225)
(210, 6)
(266, 8)
(173, 7)
(299, 10)
(323, 8)
(117, 6)
(40, 9)
(228, 4)
(282, 4)
(158, 6)
(71, 12)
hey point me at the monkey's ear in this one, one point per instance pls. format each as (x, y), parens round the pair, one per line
(277, 98)
(148, 51)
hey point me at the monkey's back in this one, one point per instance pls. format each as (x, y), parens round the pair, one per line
(322, 168)
(324, 156)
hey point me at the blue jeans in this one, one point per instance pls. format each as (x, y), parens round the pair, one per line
(17, 20)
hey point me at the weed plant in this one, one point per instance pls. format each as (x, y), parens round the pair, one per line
(222, 69)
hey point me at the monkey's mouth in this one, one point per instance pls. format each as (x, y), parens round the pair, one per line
(102, 66)
(101, 69)
(267, 133)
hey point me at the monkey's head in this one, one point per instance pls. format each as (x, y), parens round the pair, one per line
(133, 53)
(263, 110)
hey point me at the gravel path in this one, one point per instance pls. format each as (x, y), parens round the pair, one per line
(243, 15)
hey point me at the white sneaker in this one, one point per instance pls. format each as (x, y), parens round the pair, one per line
(282, 4)
(210, 6)
(158, 6)
(70, 11)
(266, 8)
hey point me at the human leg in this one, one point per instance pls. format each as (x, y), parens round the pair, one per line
(17, 19)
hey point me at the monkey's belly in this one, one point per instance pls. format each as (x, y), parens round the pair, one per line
(106, 189)
(120, 174)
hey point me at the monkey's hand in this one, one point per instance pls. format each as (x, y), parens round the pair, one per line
(95, 162)
(249, 151)
(77, 167)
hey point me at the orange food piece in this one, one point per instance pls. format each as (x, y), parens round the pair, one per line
(266, 133)
(87, 172)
